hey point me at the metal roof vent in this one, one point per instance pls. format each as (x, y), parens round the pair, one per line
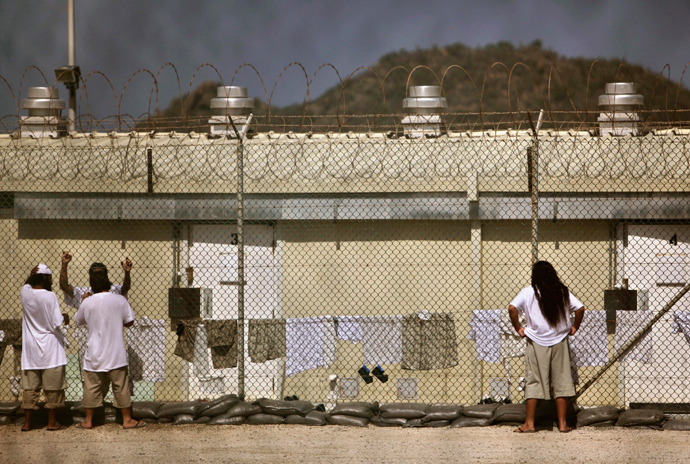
(231, 102)
(619, 107)
(45, 113)
(424, 105)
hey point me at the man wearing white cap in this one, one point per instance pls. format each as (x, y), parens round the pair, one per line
(43, 351)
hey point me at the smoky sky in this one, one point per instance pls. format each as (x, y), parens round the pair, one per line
(119, 38)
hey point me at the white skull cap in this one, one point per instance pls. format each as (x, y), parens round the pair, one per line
(43, 269)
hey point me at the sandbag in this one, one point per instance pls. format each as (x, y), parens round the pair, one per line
(676, 424)
(437, 423)
(224, 420)
(175, 409)
(510, 413)
(594, 415)
(165, 420)
(6, 420)
(413, 423)
(379, 421)
(357, 409)
(285, 408)
(263, 419)
(608, 423)
(470, 422)
(341, 419)
(636, 417)
(78, 410)
(8, 409)
(245, 409)
(312, 418)
(111, 419)
(145, 409)
(404, 410)
(218, 406)
(442, 412)
(480, 411)
(182, 419)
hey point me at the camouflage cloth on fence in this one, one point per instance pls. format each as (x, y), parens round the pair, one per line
(266, 339)
(222, 339)
(429, 343)
(186, 331)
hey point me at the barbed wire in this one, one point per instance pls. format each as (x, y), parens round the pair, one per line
(336, 121)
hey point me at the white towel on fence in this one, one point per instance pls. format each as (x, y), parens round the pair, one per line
(382, 339)
(329, 341)
(350, 328)
(484, 331)
(81, 336)
(628, 325)
(512, 345)
(146, 350)
(303, 344)
(681, 323)
(589, 346)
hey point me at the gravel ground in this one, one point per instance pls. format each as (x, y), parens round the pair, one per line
(286, 443)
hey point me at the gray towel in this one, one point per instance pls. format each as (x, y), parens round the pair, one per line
(429, 344)
(266, 339)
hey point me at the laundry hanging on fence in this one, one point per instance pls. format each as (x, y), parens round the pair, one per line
(430, 342)
(186, 338)
(330, 344)
(628, 325)
(81, 335)
(589, 345)
(13, 336)
(681, 324)
(266, 339)
(222, 339)
(382, 339)
(494, 335)
(304, 344)
(146, 350)
(484, 331)
(350, 328)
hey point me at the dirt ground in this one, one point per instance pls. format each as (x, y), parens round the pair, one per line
(286, 443)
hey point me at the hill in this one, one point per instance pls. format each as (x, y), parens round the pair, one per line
(482, 85)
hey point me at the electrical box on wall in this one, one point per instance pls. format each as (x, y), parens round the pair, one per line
(184, 303)
(618, 300)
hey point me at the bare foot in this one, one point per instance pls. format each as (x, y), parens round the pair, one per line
(83, 425)
(566, 429)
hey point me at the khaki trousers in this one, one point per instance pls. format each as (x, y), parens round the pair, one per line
(52, 381)
(96, 386)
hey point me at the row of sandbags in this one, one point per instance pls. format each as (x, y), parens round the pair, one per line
(230, 410)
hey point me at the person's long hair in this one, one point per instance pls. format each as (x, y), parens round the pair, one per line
(551, 293)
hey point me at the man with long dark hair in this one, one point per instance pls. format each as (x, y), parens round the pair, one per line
(105, 362)
(75, 295)
(547, 304)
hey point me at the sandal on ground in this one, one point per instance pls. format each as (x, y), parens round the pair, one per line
(80, 426)
(139, 425)
(519, 430)
(59, 427)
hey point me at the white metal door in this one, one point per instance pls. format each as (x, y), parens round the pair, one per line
(655, 260)
(211, 250)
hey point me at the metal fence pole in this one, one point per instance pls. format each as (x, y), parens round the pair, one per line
(240, 270)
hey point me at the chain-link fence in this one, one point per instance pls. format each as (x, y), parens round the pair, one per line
(358, 266)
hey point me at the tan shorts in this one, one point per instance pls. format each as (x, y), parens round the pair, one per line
(547, 371)
(96, 386)
(52, 381)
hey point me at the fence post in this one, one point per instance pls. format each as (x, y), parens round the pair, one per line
(240, 268)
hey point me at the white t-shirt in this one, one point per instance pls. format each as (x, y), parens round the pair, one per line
(42, 341)
(75, 301)
(104, 315)
(538, 329)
